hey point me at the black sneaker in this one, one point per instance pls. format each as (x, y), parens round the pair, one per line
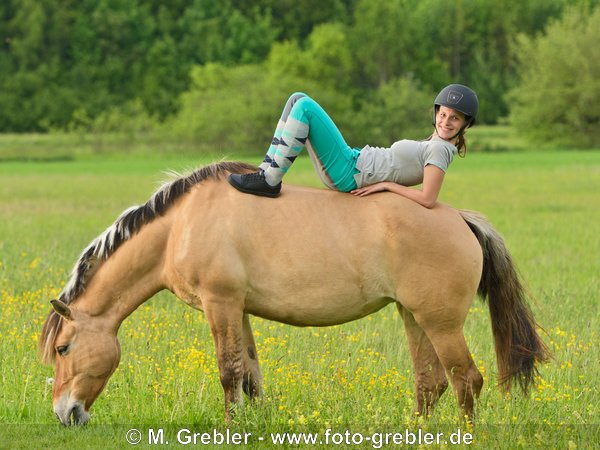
(254, 183)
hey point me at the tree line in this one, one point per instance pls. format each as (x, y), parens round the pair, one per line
(218, 71)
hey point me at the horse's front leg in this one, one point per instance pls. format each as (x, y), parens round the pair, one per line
(225, 317)
(252, 384)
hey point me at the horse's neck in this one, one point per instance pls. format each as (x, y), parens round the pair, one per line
(129, 277)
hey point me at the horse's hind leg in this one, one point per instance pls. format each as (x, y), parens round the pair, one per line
(454, 354)
(225, 319)
(252, 382)
(430, 377)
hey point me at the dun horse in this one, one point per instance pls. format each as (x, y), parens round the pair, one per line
(308, 258)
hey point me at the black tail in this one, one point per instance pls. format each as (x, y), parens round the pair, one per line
(519, 348)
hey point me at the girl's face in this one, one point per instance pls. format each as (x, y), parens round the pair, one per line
(448, 123)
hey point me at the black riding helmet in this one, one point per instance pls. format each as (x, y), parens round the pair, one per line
(460, 98)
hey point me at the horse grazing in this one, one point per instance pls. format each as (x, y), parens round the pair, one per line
(311, 257)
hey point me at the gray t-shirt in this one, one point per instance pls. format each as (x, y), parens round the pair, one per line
(404, 162)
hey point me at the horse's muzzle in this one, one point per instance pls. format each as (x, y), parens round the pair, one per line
(71, 412)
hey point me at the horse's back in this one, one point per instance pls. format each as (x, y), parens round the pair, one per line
(318, 257)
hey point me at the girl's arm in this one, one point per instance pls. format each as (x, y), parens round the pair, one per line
(433, 177)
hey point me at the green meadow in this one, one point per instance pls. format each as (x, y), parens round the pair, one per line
(348, 379)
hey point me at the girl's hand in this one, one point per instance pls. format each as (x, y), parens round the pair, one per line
(433, 178)
(377, 187)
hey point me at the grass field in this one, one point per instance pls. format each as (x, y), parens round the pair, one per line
(354, 377)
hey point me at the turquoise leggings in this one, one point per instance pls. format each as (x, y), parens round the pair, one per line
(333, 159)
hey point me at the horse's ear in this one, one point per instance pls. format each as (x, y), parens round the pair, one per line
(61, 308)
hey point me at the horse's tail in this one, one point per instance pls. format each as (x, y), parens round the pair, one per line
(518, 346)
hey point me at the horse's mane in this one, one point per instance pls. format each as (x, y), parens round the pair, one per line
(126, 226)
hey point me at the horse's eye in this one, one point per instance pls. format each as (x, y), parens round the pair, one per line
(62, 349)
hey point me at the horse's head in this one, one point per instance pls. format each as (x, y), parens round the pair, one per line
(86, 354)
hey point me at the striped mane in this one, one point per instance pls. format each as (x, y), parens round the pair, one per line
(123, 229)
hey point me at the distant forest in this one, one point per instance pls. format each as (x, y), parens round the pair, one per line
(110, 64)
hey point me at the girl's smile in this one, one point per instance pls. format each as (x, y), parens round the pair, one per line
(448, 123)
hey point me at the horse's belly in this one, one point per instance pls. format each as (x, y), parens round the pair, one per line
(315, 308)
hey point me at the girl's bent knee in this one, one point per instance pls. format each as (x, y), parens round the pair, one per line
(296, 96)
